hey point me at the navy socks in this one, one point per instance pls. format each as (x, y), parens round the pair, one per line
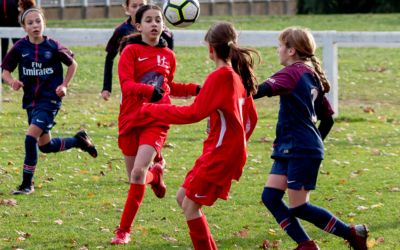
(59, 144)
(272, 199)
(322, 219)
(31, 157)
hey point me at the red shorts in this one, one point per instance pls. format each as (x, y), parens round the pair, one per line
(203, 192)
(153, 136)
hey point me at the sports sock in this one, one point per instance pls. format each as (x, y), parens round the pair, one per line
(59, 144)
(132, 204)
(200, 234)
(31, 157)
(272, 199)
(322, 218)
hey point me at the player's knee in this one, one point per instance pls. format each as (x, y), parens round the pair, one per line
(271, 197)
(47, 148)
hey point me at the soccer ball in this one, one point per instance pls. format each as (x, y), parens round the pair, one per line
(181, 13)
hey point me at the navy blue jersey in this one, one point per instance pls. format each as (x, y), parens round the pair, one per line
(302, 103)
(112, 48)
(40, 70)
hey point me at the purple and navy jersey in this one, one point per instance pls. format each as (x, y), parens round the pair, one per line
(302, 103)
(112, 48)
(40, 70)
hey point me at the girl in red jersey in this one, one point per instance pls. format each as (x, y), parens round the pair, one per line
(226, 98)
(298, 146)
(124, 29)
(39, 60)
(146, 70)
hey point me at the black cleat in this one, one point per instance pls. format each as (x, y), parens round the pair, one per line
(23, 190)
(85, 143)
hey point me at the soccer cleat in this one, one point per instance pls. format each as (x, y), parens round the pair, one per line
(159, 188)
(358, 237)
(307, 245)
(23, 190)
(121, 237)
(85, 143)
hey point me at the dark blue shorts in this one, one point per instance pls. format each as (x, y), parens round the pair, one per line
(300, 172)
(44, 119)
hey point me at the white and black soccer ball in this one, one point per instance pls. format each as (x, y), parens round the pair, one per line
(181, 13)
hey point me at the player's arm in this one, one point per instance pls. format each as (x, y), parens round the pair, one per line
(126, 77)
(111, 53)
(180, 89)
(9, 64)
(208, 100)
(279, 84)
(252, 117)
(71, 70)
(325, 115)
(14, 83)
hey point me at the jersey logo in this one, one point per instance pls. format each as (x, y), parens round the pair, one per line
(40, 121)
(290, 181)
(162, 61)
(141, 59)
(199, 196)
(25, 55)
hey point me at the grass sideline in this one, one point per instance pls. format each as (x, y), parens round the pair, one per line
(78, 200)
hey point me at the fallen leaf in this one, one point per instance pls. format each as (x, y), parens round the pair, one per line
(265, 244)
(10, 202)
(59, 222)
(244, 233)
(369, 110)
(271, 231)
(168, 238)
(276, 243)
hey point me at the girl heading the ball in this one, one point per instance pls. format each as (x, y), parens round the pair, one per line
(298, 148)
(146, 70)
(39, 60)
(226, 98)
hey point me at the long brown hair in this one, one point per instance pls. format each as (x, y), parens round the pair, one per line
(303, 42)
(133, 38)
(222, 36)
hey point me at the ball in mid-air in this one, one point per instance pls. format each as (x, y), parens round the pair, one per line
(181, 13)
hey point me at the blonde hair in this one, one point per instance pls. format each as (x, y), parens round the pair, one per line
(303, 42)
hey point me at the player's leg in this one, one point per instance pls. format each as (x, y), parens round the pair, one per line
(155, 137)
(144, 157)
(30, 161)
(180, 194)
(299, 196)
(272, 198)
(199, 230)
(200, 192)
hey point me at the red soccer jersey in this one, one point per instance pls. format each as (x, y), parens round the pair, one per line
(232, 120)
(142, 67)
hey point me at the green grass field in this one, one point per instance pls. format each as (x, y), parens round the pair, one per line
(78, 200)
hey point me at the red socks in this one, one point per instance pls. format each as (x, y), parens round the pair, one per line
(200, 234)
(132, 204)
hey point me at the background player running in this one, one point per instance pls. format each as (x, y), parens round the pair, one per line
(39, 60)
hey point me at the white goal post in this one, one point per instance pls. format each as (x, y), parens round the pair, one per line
(328, 40)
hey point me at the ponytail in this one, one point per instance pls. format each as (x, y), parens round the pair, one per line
(321, 74)
(243, 63)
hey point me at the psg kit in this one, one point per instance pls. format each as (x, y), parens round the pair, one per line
(40, 70)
